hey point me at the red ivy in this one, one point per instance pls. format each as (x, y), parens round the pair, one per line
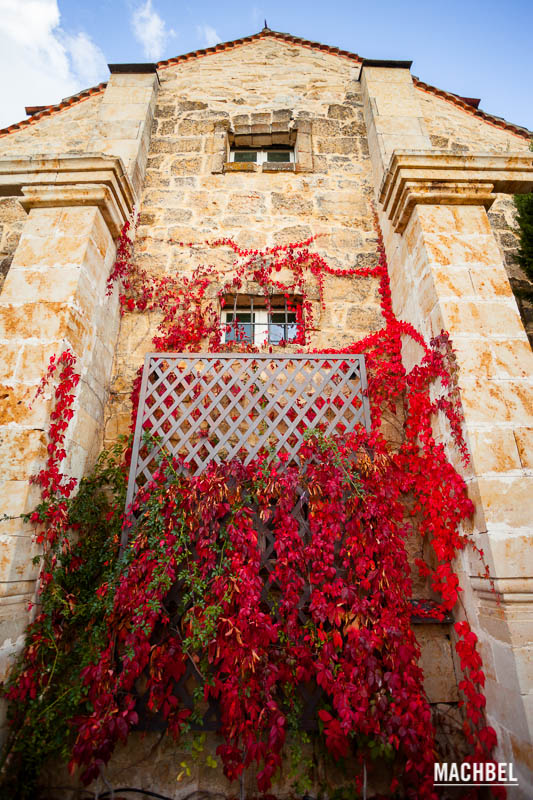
(358, 645)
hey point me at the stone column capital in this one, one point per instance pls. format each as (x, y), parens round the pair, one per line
(66, 181)
(438, 177)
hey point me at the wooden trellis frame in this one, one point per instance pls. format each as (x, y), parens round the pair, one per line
(206, 407)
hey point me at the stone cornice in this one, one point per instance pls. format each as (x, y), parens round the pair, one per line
(63, 181)
(438, 177)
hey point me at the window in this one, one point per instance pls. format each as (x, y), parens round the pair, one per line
(256, 155)
(250, 321)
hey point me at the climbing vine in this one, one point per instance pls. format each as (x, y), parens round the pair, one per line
(189, 593)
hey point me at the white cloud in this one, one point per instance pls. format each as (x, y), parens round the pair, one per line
(88, 61)
(39, 62)
(208, 34)
(150, 30)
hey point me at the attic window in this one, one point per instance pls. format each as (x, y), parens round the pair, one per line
(249, 320)
(275, 154)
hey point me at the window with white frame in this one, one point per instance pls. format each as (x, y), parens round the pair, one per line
(275, 154)
(249, 320)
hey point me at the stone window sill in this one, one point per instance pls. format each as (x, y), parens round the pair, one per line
(244, 166)
(231, 166)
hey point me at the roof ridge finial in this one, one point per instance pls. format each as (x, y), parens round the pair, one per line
(266, 28)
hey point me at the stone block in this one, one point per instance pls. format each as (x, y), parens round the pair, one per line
(291, 204)
(54, 284)
(304, 143)
(121, 129)
(271, 166)
(393, 141)
(276, 138)
(487, 401)
(282, 114)
(304, 163)
(339, 145)
(18, 497)
(25, 321)
(194, 127)
(494, 451)
(191, 105)
(303, 125)
(261, 118)
(514, 666)
(490, 319)
(508, 708)
(338, 111)
(8, 362)
(114, 112)
(512, 357)
(436, 661)
(453, 282)
(509, 502)
(191, 144)
(524, 443)
(261, 140)
(17, 406)
(399, 125)
(16, 554)
(127, 95)
(491, 282)
(474, 357)
(185, 166)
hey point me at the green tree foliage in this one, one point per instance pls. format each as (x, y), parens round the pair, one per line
(524, 204)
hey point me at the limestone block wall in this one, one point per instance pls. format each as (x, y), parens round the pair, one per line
(188, 197)
(53, 299)
(447, 273)
(172, 131)
(12, 218)
(124, 120)
(67, 131)
(451, 128)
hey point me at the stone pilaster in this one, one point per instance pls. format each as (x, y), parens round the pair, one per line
(54, 298)
(392, 113)
(125, 117)
(447, 273)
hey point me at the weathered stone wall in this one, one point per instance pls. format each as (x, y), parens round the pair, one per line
(12, 218)
(187, 198)
(67, 131)
(451, 128)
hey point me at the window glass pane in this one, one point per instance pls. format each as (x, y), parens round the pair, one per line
(245, 156)
(278, 330)
(242, 331)
(278, 155)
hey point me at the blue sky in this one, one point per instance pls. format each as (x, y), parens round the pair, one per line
(53, 48)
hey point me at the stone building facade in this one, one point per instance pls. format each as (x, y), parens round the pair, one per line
(159, 137)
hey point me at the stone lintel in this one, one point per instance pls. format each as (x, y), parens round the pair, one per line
(62, 174)
(100, 195)
(439, 177)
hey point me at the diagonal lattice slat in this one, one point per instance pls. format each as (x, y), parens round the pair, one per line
(208, 407)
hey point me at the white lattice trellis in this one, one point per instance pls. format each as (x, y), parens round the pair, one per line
(213, 407)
